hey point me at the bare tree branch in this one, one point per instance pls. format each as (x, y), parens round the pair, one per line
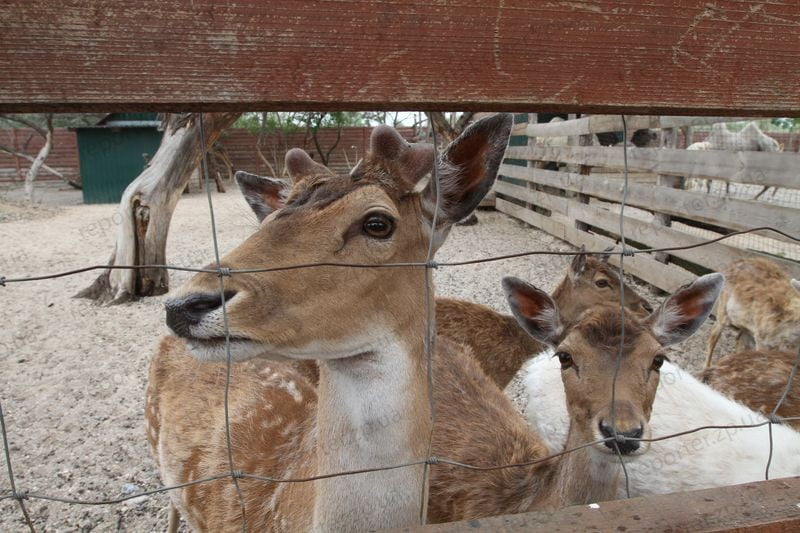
(27, 123)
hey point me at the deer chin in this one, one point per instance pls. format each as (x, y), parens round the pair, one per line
(241, 349)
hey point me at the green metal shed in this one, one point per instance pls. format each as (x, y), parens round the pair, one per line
(113, 152)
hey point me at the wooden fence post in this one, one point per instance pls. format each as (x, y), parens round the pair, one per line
(669, 139)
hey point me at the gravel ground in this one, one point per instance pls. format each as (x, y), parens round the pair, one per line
(73, 373)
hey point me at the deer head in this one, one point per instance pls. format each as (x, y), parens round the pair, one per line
(588, 352)
(382, 212)
(592, 281)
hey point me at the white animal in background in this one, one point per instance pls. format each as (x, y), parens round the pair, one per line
(704, 459)
(750, 139)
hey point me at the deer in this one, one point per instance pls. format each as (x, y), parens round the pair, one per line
(476, 423)
(365, 327)
(760, 301)
(701, 460)
(495, 339)
(758, 379)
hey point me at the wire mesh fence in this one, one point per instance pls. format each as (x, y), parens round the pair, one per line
(22, 496)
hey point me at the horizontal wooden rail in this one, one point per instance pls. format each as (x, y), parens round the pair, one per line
(721, 211)
(729, 57)
(604, 123)
(757, 168)
(765, 506)
(715, 256)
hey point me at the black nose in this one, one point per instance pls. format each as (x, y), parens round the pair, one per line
(625, 446)
(185, 312)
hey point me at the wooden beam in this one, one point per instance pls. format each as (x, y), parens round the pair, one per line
(765, 506)
(729, 57)
(604, 123)
(718, 210)
(757, 168)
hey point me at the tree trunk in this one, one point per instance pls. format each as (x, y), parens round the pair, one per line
(30, 176)
(146, 210)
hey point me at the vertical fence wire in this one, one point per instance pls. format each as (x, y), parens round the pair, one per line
(618, 363)
(10, 469)
(430, 322)
(221, 275)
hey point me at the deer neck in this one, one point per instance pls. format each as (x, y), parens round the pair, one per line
(373, 411)
(585, 476)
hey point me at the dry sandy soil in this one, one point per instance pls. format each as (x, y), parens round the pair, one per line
(72, 374)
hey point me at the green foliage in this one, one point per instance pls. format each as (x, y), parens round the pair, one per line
(298, 121)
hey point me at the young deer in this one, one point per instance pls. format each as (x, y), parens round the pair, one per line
(690, 461)
(366, 328)
(476, 423)
(759, 300)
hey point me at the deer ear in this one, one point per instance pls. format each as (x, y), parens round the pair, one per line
(299, 165)
(535, 310)
(686, 310)
(264, 195)
(468, 167)
(578, 265)
(606, 255)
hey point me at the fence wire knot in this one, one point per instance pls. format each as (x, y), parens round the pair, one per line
(224, 272)
(2, 281)
(774, 419)
(237, 474)
(628, 251)
(433, 460)
(431, 264)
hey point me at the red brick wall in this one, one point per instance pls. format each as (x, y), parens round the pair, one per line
(63, 155)
(239, 144)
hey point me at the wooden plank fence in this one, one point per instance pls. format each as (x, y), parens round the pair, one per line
(583, 209)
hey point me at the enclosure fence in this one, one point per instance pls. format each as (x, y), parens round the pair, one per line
(628, 159)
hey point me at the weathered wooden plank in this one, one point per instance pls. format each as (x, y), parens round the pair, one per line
(714, 256)
(732, 57)
(758, 168)
(666, 277)
(718, 210)
(766, 506)
(604, 123)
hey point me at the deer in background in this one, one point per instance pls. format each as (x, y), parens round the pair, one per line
(498, 342)
(477, 424)
(372, 357)
(760, 301)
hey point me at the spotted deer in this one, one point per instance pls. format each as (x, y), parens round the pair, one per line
(759, 300)
(477, 424)
(758, 379)
(365, 327)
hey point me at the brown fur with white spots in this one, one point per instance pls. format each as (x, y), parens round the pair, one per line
(477, 424)
(760, 300)
(364, 326)
(757, 378)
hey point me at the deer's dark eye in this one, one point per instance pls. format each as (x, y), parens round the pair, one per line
(565, 359)
(658, 362)
(378, 225)
(602, 283)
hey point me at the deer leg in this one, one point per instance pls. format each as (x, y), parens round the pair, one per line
(174, 519)
(744, 341)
